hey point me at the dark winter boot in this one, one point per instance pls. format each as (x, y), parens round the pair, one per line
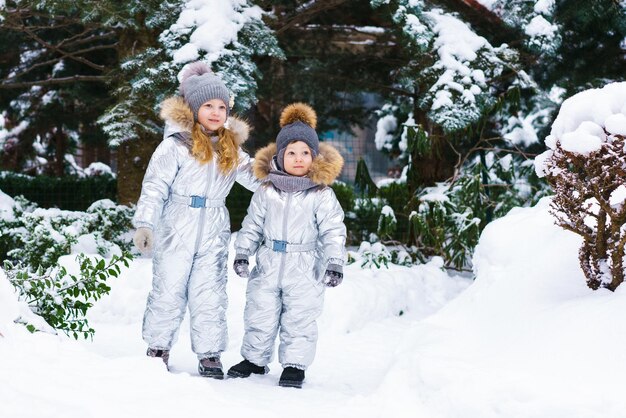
(246, 368)
(163, 354)
(291, 378)
(211, 367)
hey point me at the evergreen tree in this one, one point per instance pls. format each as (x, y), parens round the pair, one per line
(55, 60)
(228, 35)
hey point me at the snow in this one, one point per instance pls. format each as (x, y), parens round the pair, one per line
(213, 24)
(617, 197)
(520, 129)
(456, 42)
(99, 169)
(364, 318)
(580, 143)
(539, 26)
(384, 131)
(586, 121)
(526, 339)
(6, 206)
(436, 193)
(616, 124)
(544, 7)
(595, 105)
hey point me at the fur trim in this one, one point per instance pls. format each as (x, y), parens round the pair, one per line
(177, 112)
(327, 165)
(239, 128)
(325, 169)
(263, 160)
(298, 112)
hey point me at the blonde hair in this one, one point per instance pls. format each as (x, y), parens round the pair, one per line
(226, 148)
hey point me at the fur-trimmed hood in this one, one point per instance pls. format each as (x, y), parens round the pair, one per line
(325, 168)
(177, 112)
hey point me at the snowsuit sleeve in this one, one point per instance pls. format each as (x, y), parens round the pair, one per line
(245, 176)
(157, 181)
(332, 231)
(250, 236)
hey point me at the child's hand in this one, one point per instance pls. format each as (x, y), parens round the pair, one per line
(241, 267)
(143, 239)
(332, 278)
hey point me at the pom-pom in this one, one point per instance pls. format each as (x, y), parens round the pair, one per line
(298, 112)
(195, 68)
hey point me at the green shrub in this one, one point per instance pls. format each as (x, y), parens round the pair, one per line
(63, 299)
(67, 193)
(374, 255)
(38, 237)
(362, 222)
(345, 195)
(397, 196)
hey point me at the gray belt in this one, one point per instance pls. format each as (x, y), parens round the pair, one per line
(197, 201)
(285, 247)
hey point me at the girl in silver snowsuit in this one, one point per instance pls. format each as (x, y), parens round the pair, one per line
(295, 226)
(181, 215)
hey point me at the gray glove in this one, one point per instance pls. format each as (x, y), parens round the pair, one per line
(143, 239)
(241, 267)
(332, 278)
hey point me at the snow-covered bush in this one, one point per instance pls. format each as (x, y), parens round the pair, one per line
(374, 255)
(362, 221)
(33, 239)
(450, 216)
(387, 222)
(40, 236)
(586, 166)
(443, 227)
(63, 299)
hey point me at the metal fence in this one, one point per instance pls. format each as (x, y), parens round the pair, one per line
(355, 146)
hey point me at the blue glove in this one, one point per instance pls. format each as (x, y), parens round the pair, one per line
(241, 267)
(332, 278)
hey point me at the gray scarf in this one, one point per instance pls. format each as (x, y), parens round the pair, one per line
(185, 138)
(286, 182)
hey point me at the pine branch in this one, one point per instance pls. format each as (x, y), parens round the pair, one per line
(305, 14)
(52, 47)
(56, 81)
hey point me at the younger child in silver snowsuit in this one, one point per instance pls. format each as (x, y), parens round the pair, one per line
(295, 226)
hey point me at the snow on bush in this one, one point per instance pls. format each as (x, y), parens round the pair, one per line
(586, 165)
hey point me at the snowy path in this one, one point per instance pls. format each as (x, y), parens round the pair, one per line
(360, 330)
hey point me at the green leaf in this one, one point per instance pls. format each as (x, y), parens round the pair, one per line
(100, 265)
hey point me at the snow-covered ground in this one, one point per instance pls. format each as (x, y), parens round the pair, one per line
(527, 338)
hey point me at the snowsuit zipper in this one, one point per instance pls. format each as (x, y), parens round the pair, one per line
(203, 210)
(284, 254)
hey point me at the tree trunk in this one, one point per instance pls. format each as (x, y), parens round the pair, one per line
(132, 159)
(438, 165)
(60, 147)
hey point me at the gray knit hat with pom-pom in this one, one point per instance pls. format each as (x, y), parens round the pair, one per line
(298, 122)
(199, 85)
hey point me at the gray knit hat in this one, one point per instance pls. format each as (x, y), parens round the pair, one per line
(199, 84)
(298, 122)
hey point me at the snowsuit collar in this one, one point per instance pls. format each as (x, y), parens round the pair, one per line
(286, 182)
(178, 113)
(325, 169)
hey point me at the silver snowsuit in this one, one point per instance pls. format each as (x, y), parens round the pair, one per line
(295, 237)
(191, 238)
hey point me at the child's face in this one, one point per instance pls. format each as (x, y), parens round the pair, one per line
(298, 159)
(212, 114)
